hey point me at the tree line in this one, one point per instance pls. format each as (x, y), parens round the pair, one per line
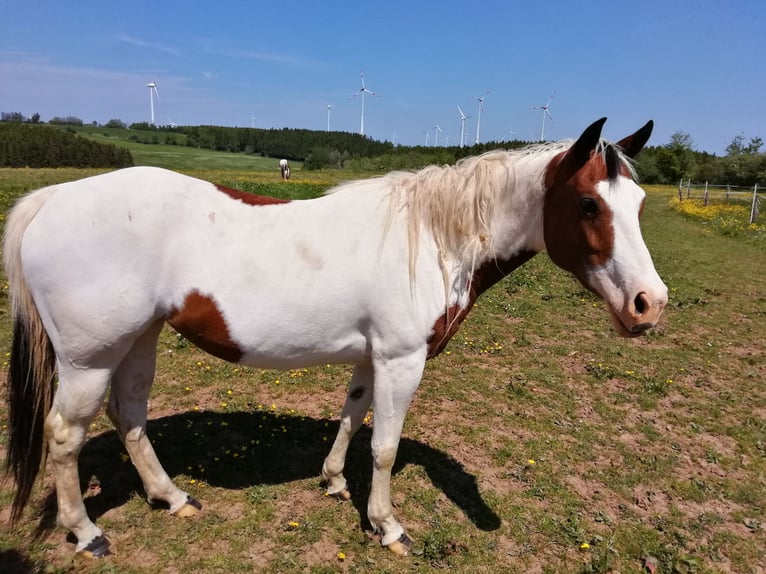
(29, 145)
(743, 164)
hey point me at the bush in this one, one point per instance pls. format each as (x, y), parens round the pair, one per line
(26, 145)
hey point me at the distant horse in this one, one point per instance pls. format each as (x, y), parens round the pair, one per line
(284, 167)
(97, 266)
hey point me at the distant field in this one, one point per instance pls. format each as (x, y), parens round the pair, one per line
(538, 442)
(179, 157)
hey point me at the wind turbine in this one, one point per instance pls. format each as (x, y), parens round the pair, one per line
(437, 129)
(545, 113)
(252, 121)
(329, 107)
(152, 92)
(363, 90)
(481, 109)
(463, 118)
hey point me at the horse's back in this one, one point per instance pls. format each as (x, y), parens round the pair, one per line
(307, 280)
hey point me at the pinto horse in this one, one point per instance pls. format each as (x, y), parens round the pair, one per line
(284, 169)
(378, 273)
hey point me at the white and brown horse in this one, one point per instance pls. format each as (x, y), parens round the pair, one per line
(284, 169)
(378, 273)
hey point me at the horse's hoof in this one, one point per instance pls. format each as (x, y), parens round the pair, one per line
(192, 507)
(401, 547)
(97, 548)
(344, 494)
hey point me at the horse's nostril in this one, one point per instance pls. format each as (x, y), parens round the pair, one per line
(641, 303)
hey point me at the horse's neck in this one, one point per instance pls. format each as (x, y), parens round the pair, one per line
(517, 220)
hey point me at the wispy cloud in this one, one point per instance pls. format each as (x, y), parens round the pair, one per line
(141, 43)
(257, 56)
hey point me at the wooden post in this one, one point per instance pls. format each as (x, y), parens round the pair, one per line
(754, 206)
(728, 190)
(706, 195)
(681, 190)
(688, 188)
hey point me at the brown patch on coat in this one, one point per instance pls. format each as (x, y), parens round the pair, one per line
(200, 320)
(574, 240)
(483, 278)
(250, 198)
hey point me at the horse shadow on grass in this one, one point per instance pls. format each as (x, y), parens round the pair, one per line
(237, 450)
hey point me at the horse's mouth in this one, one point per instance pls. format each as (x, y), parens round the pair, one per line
(623, 330)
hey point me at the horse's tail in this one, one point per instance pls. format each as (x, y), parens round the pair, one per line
(31, 374)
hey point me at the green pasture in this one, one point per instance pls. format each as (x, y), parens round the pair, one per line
(177, 155)
(538, 441)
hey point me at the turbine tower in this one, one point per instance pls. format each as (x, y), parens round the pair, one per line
(545, 113)
(481, 109)
(437, 129)
(363, 90)
(329, 107)
(463, 118)
(152, 92)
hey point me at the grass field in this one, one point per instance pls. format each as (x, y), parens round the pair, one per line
(538, 442)
(178, 157)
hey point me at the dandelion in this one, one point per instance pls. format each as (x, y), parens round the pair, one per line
(584, 546)
(531, 462)
(341, 556)
(292, 525)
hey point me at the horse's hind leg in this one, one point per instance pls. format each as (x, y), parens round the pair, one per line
(354, 410)
(79, 396)
(127, 405)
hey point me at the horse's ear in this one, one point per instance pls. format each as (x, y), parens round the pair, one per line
(633, 144)
(581, 151)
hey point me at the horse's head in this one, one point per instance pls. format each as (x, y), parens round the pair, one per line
(592, 207)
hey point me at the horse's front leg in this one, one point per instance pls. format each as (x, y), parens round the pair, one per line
(352, 416)
(396, 380)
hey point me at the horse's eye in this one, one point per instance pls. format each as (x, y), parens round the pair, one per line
(589, 207)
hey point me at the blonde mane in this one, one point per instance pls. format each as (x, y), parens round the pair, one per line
(455, 204)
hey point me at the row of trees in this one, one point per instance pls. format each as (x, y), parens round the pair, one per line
(28, 145)
(744, 162)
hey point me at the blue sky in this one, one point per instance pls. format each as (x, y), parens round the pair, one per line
(693, 66)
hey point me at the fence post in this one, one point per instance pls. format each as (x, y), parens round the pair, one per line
(754, 206)
(681, 190)
(706, 196)
(728, 190)
(688, 188)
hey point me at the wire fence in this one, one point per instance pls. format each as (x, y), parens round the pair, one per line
(707, 192)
